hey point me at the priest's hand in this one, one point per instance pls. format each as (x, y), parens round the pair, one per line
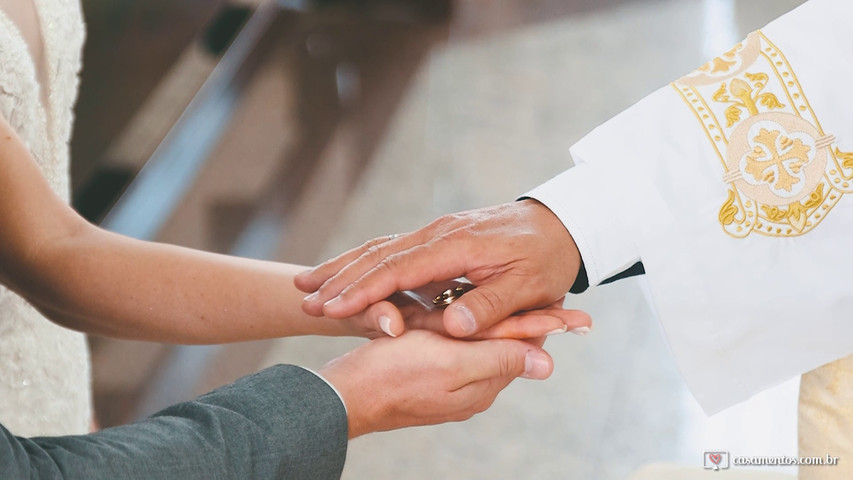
(519, 256)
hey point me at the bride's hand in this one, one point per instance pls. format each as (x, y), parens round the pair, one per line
(416, 311)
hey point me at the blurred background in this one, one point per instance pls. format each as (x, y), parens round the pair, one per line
(295, 129)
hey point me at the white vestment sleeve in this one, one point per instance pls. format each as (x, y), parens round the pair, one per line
(734, 185)
(580, 200)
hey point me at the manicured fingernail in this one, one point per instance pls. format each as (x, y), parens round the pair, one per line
(385, 325)
(312, 297)
(580, 331)
(332, 302)
(557, 331)
(535, 365)
(464, 318)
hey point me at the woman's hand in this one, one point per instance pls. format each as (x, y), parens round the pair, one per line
(414, 311)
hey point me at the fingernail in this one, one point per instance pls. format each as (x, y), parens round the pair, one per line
(332, 302)
(580, 331)
(312, 297)
(535, 365)
(385, 325)
(557, 331)
(465, 319)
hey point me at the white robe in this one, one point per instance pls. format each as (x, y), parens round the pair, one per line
(734, 186)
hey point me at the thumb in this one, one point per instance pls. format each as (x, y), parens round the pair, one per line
(385, 317)
(510, 359)
(484, 306)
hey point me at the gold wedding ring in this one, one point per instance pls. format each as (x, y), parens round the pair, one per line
(449, 296)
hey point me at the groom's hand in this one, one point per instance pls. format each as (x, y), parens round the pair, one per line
(519, 255)
(423, 378)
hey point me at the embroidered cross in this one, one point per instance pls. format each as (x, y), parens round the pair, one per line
(776, 162)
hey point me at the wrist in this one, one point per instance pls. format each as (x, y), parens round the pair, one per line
(346, 383)
(564, 250)
(583, 201)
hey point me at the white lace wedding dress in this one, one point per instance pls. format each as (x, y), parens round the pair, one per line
(44, 368)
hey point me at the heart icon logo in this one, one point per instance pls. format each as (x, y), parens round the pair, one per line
(715, 457)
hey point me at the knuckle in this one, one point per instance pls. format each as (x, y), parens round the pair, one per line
(439, 241)
(465, 415)
(373, 253)
(451, 218)
(488, 300)
(483, 404)
(392, 262)
(373, 242)
(456, 235)
(456, 218)
(507, 364)
(446, 223)
(383, 267)
(388, 267)
(464, 407)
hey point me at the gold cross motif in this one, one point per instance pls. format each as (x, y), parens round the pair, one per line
(789, 156)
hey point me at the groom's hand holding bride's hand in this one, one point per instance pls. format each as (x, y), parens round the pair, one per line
(519, 255)
(423, 378)
(426, 378)
(520, 258)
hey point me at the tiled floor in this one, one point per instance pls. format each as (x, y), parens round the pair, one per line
(489, 117)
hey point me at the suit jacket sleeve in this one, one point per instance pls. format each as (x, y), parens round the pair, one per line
(282, 423)
(734, 187)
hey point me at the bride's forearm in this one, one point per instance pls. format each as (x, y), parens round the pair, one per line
(107, 284)
(91, 280)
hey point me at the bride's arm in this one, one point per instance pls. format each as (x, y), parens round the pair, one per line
(89, 279)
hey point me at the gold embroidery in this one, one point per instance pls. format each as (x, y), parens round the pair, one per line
(728, 212)
(797, 213)
(747, 95)
(719, 64)
(846, 158)
(730, 63)
(776, 159)
(782, 173)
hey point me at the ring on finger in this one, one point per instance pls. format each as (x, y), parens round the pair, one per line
(450, 295)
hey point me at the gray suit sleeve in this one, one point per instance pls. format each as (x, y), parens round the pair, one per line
(282, 423)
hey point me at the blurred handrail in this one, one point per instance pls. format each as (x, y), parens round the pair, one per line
(149, 200)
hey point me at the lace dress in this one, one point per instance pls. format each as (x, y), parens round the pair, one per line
(44, 368)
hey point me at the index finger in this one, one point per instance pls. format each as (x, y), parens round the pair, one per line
(330, 278)
(310, 280)
(353, 289)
